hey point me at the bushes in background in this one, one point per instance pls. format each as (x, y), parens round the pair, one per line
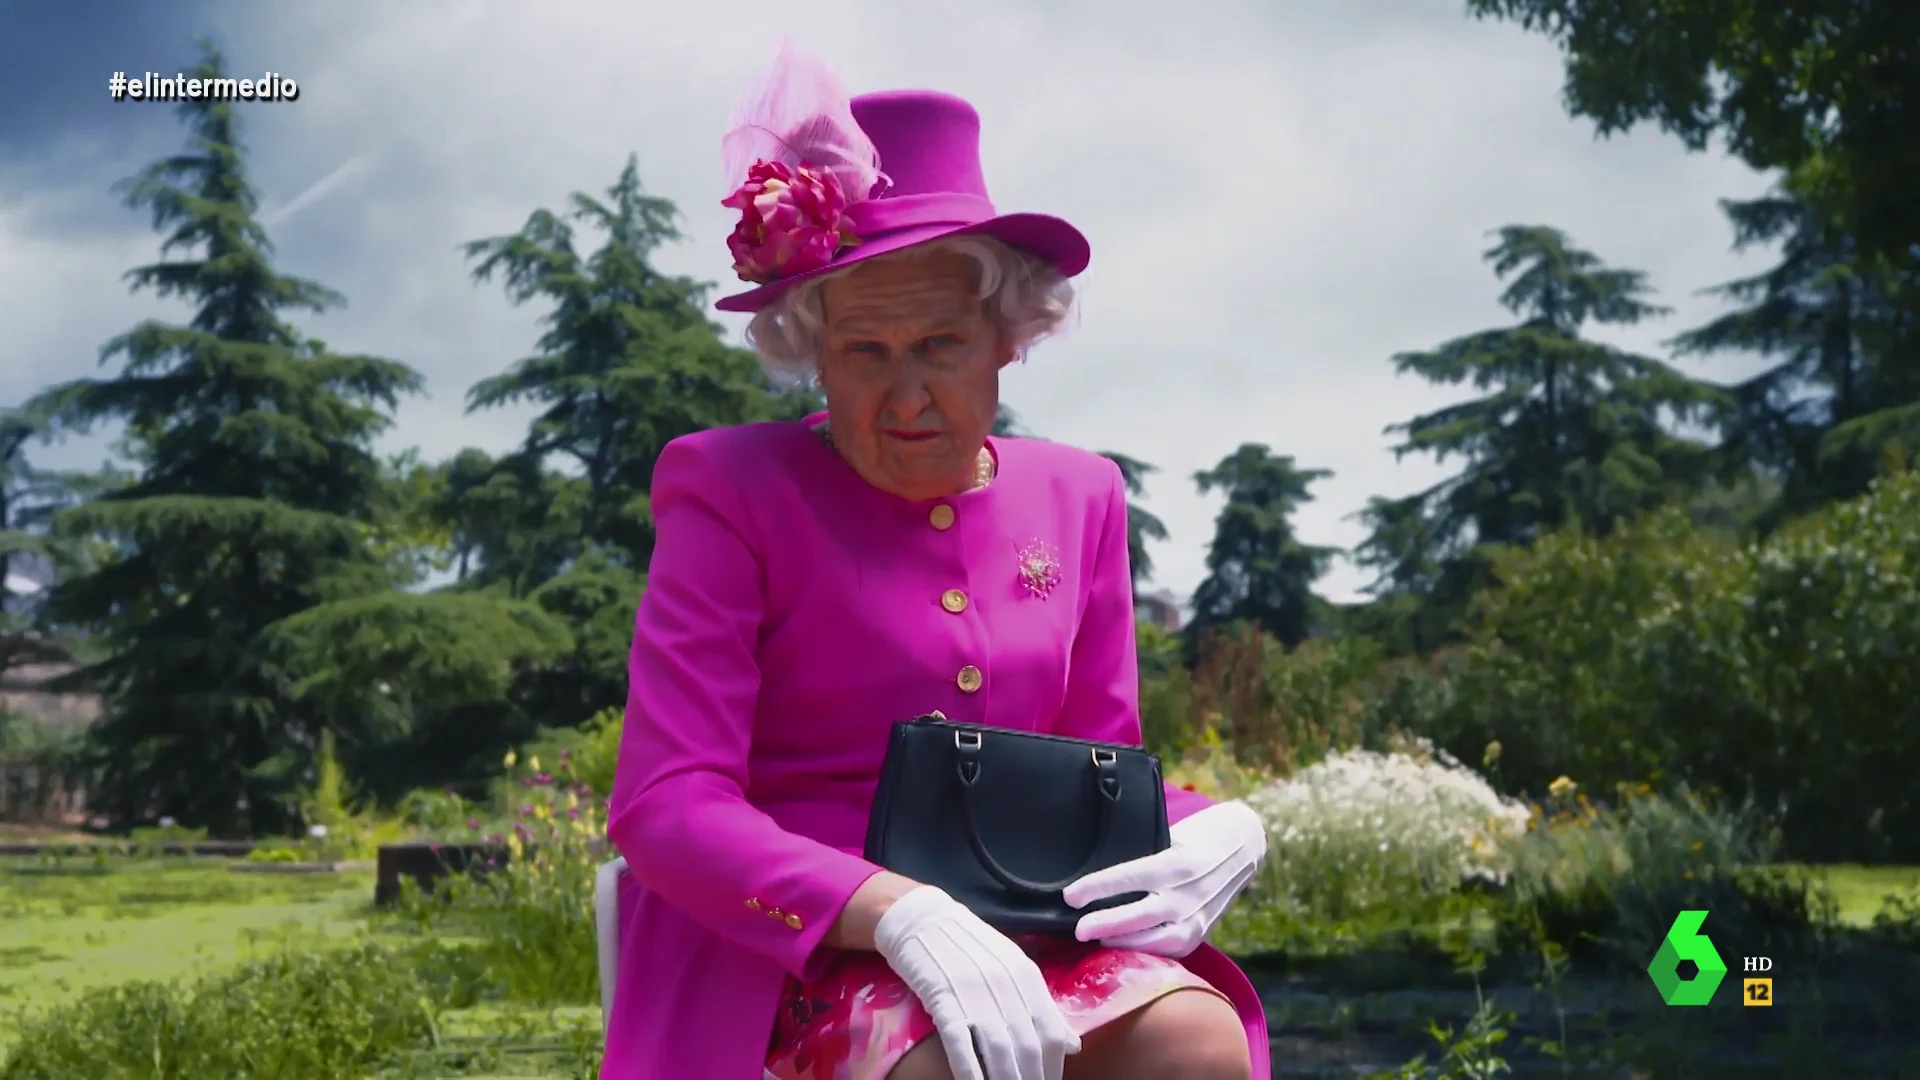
(295, 1016)
(532, 926)
(1783, 674)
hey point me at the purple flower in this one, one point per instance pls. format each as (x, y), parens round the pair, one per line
(473, 824)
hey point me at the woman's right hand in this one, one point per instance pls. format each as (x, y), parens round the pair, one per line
(987, 998)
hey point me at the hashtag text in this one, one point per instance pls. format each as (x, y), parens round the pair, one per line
(150, 86)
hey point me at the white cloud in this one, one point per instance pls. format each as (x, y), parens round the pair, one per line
(1279, 198)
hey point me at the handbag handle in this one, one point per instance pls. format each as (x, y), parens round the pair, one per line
(1106, 782)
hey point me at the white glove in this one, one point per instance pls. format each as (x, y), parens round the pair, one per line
(1213, 855)
(987, 998)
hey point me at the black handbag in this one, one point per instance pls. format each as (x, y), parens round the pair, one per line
(1004, 820)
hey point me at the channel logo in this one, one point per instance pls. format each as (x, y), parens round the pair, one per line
(1684, 942)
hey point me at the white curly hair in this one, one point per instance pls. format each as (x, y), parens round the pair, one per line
(1027, 296)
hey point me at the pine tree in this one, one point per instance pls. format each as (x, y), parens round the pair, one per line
(629, 361)
(1142, 525)
(30, 496)
(1567, 430)
(1258, 571)
(24, 505)
(1845, 381)
(253, 497)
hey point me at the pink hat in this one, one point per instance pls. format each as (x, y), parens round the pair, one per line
(824, 182)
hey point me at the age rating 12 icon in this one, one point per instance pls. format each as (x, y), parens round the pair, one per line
(1686, 942)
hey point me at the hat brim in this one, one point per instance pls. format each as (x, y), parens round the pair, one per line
(1041, 235)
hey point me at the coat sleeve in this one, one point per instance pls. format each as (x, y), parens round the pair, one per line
(679, 812)
(1103, 674)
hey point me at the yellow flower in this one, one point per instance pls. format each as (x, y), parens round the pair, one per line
(1698, 844)
(1562, 787)
(533, 763)
(1492, 753)
(510, 759)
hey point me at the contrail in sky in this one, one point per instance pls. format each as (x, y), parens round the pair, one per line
(316, 191)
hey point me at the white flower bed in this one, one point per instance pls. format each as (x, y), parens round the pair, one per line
(1361, 828)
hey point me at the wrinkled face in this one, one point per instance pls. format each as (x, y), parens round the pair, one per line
(910, 364)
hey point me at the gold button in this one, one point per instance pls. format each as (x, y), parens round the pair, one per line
(752, 904)
(968, 680)
(793, 922)
(941, 517)
(954, 600)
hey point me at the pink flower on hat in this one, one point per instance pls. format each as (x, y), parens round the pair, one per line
(791, 221)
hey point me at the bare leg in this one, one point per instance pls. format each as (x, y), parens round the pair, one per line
(1186, 1035)
(926, 1061)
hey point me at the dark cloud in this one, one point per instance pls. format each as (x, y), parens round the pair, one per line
(60, 131)
(53, 86)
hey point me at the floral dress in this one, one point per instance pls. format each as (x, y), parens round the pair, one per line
(858, 1020)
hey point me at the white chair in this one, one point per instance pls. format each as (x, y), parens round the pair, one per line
(606, 936)
(606, 932)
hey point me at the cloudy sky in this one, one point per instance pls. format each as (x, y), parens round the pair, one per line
(1280, 196)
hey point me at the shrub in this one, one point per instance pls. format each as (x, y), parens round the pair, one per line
(1168, 726)
(532, 922)
(291, 1017)
(149, 841)
(277, 852)
(1363, 829)
(1779, 672)
(590, 751)
(442, 814)
(1210, 768)
(1605, 882)
(1280, 709)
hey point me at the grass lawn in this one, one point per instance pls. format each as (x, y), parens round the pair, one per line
(72, 925)
(1863, 890)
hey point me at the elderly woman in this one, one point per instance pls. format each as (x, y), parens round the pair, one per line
(815, 582)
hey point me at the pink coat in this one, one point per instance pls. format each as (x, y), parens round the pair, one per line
(793, 613)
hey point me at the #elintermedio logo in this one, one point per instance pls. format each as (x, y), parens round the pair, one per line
(1685, 942)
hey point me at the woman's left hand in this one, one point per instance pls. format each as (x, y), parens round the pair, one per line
(1213, 855)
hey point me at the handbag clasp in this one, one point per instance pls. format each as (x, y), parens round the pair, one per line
(1104, 757)
(966, 740)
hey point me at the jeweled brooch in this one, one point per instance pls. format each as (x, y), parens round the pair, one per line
(1039, 568)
